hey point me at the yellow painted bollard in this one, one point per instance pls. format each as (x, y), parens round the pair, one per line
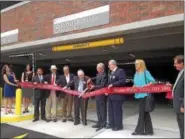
(18, 102)
(1, 96)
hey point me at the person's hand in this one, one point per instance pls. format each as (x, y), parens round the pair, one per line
(45, 82)
(55, 84)
(88, 81)
(110, 85)
(16, 85)
(182, 109)
(92, 87)
(169, 84)
(106, 94)
(65, 87)
(133, 86)
(35, 83)
(16, 81)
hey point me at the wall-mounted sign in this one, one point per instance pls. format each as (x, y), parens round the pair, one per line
(82, 20)
(108, 42)
(9, 36)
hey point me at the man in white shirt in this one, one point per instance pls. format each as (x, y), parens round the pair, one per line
(80, 84)
(52, 95)
(67, 101)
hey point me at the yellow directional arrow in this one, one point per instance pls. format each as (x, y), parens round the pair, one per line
(21, 136)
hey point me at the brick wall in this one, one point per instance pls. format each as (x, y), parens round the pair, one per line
(35, 19)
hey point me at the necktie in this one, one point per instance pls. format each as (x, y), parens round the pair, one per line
(40, 78)
(52, 80)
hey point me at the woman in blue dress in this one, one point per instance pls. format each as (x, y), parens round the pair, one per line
(142, 78)
(9, 88)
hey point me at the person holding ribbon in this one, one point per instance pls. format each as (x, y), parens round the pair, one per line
(178, 93)
(51, 102)
(27, 76)
(142, 78)
(100, 81)
(9, 87)
(80, 85)
(39, 96)
(67, 101)
(116, 78)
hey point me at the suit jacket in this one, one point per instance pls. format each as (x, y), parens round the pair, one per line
(117, 79)
(63, 82)
(75, 83)
(100, 82)
(47, 78)
(39, 93)
(178, 94)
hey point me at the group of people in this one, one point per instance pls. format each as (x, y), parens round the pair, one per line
(115, 78)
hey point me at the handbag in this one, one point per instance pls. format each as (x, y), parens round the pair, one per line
(149, 100)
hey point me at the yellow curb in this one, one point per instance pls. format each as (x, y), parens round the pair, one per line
(8, 119)
(21, 136)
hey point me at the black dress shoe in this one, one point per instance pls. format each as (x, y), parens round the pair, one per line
(70, 119)
(96, 126)
(64, 120)
(54, 120)
(48, 120)
(84, 123)
(44, 119)
(117, 128)
(108, 127)
(76, 123)
(99, 128)
(35, 120)
(136, 133)
(149, 134)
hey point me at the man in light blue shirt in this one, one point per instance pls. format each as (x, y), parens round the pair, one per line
(80, 105)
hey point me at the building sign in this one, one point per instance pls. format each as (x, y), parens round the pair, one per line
(101, 43)
(9, 36)
(82, 20)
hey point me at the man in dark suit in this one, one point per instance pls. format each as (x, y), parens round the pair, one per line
(67, 101)
(178, 93)
(39, 97)
(80, 84)
(52, 94)
(117, 78)
(100, 81)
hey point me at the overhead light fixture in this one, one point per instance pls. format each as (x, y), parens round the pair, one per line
(132, 55)
(128, 63)
(41, 54)
(21, 55)
(68, 60)
(113, 46)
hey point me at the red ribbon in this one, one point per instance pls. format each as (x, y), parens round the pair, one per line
(48, 87)
(155, 88)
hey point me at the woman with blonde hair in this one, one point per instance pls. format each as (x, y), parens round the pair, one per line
(9, 87)
(142, 78)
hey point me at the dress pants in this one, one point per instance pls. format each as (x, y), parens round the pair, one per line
(101, 108)
(180, 121)
(144, 124)
(39, 101)
(80, 104)
(115, 112)
(67, 104)
(51, 104)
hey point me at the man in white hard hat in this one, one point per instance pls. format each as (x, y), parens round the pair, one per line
(52, 95)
